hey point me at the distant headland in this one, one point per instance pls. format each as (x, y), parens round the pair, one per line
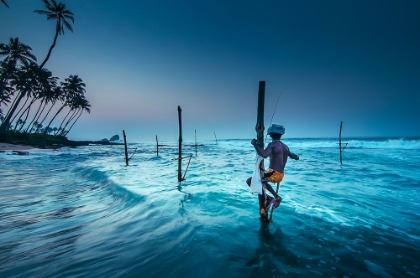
(45, 141)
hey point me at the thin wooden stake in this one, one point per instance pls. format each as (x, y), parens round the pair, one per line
(195, 142)
(157, 146)
(341, 144)
(215, 137)
(125, 149)
(183, 178)
(180, 145)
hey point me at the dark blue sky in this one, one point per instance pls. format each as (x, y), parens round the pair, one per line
(331, 61)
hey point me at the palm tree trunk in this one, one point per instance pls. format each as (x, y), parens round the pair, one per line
(6, 122)
(26, 110)
(81, 112)
(13, 102)
(16, 125)
(63, 121)
(27, 115)
(52, 46)
(49, 110)
(36, 114)
(4, 2)
(19, 112)
(39, 116)
(59, 110)
(69, 120)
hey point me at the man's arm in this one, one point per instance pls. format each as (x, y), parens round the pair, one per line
(293, 155)
(264, 153)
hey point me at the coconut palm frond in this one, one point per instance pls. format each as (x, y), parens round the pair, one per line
(4, 2)
(63, 16)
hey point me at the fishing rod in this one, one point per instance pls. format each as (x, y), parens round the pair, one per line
(275, 108)
(278, 184)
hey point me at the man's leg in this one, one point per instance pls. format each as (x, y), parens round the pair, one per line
(262, 201)
(272, 191)
(278, 199)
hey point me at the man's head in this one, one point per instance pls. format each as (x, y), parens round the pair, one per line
(276, 131)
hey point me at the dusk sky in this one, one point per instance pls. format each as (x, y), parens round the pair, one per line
(330, 61)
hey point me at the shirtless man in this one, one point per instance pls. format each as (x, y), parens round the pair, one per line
(278, 153)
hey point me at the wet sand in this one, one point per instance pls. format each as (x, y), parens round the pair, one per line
(6, 147)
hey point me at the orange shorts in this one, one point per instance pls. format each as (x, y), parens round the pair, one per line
(275, 177)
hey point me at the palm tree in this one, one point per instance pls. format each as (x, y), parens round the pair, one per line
(23, 83)
(39, 80)
(59, 13)
(38, 127)
(57, 94)
(4, 92)
(84, 106)
(72, 87)
(16, 52)
(73, 105)
(4, 2)
(48, 95)
(42, 91)
(77, 108)
(76, 87)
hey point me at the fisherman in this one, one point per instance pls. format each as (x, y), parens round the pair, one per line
(278, 153)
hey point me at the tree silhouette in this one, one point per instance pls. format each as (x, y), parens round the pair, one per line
(16, 53)
(84, 106)
(73, 87)
(59, 13)
(4, 2)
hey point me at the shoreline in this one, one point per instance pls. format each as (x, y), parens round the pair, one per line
(24, 149)
(36, 141)
(20, 149)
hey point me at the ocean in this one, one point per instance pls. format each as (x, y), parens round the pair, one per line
(81, 212)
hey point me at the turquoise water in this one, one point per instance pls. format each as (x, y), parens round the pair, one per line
(82, 213)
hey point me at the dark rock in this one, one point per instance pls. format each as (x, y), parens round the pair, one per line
(114, 138)
(20, 152)
(104, 140)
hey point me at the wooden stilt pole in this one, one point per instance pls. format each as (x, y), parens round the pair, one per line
(195, 131)
(259, 128)
(339, 143)
(180, 145)
(125, 149)
(157, 146)
(260, 114)
(215, 137)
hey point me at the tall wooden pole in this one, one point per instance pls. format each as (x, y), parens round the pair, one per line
(180, 145)
(260, 114)
(339, 143)
(125, 149)
(215, 137)
(157, 146)
(195, 131)
(259, 128)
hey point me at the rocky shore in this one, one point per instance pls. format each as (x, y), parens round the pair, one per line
(43, 141)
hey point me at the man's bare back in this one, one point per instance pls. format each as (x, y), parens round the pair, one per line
(278, 153)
